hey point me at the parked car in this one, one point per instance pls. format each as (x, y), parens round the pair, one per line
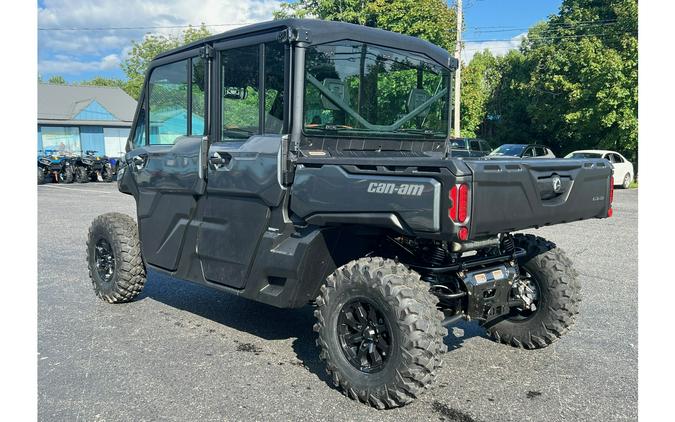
(623, 169)
(469, 147)
(522, 151)
(304, 198)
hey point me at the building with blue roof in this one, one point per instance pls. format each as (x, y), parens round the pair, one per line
(75, 119)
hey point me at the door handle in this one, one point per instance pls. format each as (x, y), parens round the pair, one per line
(220, 159)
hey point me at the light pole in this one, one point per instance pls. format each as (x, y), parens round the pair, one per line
(458, 56)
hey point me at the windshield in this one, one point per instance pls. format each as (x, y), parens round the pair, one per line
(584, 155)
(509, 150)
(356, 89)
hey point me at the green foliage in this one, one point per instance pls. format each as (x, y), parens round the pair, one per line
(572, 85)
(583, 85)
(57, 80)
(136, 62)
(431, 20)
(479, 80)
(101, 81)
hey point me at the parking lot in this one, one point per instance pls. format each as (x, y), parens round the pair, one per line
(181, 352)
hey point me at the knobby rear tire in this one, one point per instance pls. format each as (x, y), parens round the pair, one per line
(560, 292)
(417, 334)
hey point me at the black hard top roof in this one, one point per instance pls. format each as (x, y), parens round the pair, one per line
(321, 31)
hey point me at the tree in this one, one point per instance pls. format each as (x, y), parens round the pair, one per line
(583, 85)
(136, 63)
(101, 81)
(507, 118)
(479, 81)
(57, 80)
(431, 20)
(572, 85)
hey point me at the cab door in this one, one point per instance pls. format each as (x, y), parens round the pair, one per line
(163, 170)
(243, 189)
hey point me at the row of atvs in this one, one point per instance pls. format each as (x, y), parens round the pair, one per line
(55, 167)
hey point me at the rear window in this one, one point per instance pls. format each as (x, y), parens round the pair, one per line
(584, 155)
(458, 144)
(509, 150)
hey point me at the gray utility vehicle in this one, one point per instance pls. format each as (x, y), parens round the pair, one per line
(303, 162)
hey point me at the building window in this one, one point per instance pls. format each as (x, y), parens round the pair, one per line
(61, 140)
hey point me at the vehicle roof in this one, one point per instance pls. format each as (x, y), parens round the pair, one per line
(598, 151)
(321, 31)
(525, 145)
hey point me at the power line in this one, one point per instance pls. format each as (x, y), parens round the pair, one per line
(554, 24)
(137, 28)
(477, 28)
(556, 37)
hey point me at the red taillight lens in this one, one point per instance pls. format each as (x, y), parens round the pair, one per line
(463, 233)
(611, 196)
(459, 209)
(611, 190)
(452, 212)
(463, 200)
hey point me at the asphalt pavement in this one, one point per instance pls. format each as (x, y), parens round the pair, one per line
(182, 352)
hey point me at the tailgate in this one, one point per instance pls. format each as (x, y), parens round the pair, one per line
(510, 195)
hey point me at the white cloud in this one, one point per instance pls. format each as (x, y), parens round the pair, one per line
(124, 14)
(62, 64)
(497, 48)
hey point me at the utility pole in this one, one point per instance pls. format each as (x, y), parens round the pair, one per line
(458, 56)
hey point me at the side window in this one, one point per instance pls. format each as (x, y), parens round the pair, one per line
(198, 97)
(474, 145)
(617, 158)
(540, 151)
(529, 152)
(239, 92)
(139, 134)
(610, 157)
(168, 103)
(274, 87)
(485, 146)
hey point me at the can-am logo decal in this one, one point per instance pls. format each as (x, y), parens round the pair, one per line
(399, 189)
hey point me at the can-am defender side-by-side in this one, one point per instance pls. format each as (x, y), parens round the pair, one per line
(305, 161)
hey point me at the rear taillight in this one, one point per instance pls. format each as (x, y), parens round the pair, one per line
(463, 233)
(611, 195)
(459, 209)
(611, 190)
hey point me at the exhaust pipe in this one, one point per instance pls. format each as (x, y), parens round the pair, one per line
(473, 245)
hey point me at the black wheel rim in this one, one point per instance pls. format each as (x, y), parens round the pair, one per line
(105, 260)
(519, 314)
(365, 335)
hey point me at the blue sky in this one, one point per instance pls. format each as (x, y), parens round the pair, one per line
(84, 54)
